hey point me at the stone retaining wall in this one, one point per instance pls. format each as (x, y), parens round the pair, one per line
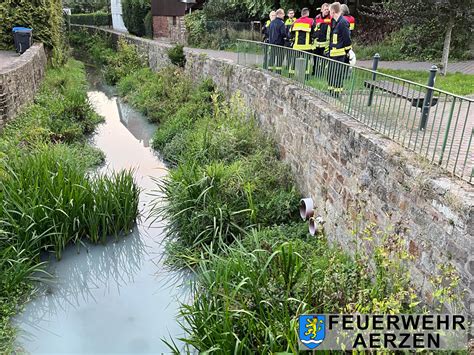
(356, 176)
(20, 80)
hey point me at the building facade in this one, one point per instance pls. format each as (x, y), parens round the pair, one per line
(168, 19)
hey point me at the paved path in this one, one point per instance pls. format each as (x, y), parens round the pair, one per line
(216, 54)
(466, 67)
(6, 58)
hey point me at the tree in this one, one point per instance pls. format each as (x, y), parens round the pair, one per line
(432, 18)
(450, 12)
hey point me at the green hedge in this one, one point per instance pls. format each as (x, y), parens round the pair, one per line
(134, 13)
(98, 18)
(43, 16)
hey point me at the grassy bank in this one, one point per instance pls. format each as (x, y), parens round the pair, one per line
(49, 198)
(229, 205)
(456, 83)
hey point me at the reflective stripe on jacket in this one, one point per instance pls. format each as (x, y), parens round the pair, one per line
(322, 31)
(351, 21)
(340, 40)
(302, 32)
(288, 23)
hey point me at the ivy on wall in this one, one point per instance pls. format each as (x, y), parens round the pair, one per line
(45, 17)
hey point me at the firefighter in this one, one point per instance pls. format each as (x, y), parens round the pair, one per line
(302, 33)
(267, 26)
(277, 37)
(288, 24)
(321, 41)
(339, 46)
(347, 15)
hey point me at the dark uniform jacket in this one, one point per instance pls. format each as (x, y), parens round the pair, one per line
(277, 32)
(302, 33)
(340, 39)
(265, 31)
(323, 30)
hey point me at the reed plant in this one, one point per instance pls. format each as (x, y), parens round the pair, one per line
(49, 196)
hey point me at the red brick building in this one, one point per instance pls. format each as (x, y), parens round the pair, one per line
(168, 19)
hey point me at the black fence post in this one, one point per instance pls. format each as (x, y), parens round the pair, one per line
(375, 65)
(428, 97)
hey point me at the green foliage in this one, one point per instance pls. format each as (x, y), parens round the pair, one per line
(134, 14)
(251, 293)
(117, 64)
(44, 17)
(176, 55)
(98, 47)
(148, 21)
(49, 198)
(219, 34)
(86, 6)
(98, 18)
(158, 95)
(417, 29)
(125, 61)
(61, 112)
(227, 178)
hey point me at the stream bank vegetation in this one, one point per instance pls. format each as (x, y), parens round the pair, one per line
(230, 206)
(50, 196)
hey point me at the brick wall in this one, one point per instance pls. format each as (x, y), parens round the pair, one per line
(20, 80)
(169, 27)
(355, 175)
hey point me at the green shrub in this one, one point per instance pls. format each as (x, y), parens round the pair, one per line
(148, 21)
(86, 6)
(125, 61)
(227, 178)
(98, 18)
(45, 17)
(251, 293)
(158, 95)
(134, 14)
(177, 56)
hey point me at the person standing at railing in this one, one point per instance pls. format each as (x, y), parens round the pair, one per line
(302, 33)
(277, 37)
(288, 24)
(347, 15)
(339, 47)
(322, 33)
(266, 26)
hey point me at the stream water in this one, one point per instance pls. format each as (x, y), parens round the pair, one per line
(118, 297)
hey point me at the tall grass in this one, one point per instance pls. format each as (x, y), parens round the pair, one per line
(48, 196)
(250, 294)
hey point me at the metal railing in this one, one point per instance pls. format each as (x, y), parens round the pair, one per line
(225, 34)
(434, 123)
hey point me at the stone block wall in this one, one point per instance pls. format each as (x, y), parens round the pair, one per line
(20, 80)
(356, 176)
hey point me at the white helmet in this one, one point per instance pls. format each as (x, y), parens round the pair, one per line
(352, 58)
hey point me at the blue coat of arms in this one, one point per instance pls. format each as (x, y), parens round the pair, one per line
(312, 330)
